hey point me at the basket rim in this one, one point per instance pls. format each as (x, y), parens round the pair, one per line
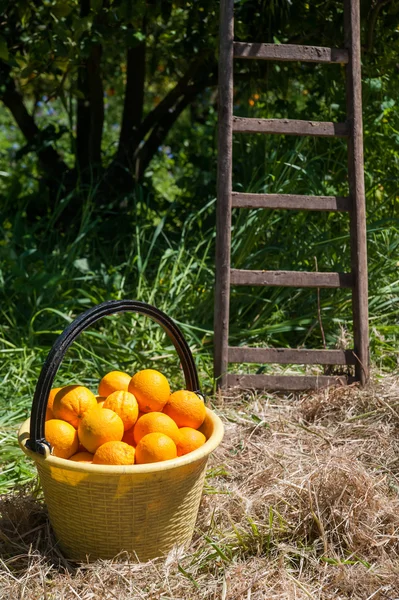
(66, 464)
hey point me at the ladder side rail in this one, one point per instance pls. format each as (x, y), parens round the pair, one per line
(357, 189)
(224, 189)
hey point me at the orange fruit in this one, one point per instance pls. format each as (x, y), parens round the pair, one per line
(98, 426)
(125, 405)
(155, 422)
(128, 437)
(114, 381)
(114, 453)
(50, 402)
(186, 409)
(72, 402)
(85, 457)
(155, 447)
(151, 390)
(62, 436)
(189, 439)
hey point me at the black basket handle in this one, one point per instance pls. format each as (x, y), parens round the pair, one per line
(37, 441)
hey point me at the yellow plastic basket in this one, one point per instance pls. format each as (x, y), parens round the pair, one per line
(98, 511)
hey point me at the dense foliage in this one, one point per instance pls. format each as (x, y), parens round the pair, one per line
(95, 86)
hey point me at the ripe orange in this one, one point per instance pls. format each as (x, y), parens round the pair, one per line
(155, 422)
(62, 437)
(186, 409)
(114, 453)
(50, 402)
(114, 381)
(189, 439)
(155, 447)
(85, 457)
(72, 402)
(151, 390)
(128, 437)
(125, 405)
(98, 426)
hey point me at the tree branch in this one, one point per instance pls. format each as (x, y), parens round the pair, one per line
(165, 110)
(146, 152)
(182, 87)
(160, 131)
(170, 99)
(372, 19)
(50, 160)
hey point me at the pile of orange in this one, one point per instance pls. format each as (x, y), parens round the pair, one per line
(133, 420)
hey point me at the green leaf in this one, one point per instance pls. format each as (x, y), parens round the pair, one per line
(96, 5)
(27, 71)
(82, 25)
(62, 9)
(187, 574)
(82, 264)
(134, 38)
(3, 49)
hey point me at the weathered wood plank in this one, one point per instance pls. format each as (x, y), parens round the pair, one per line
(356, 188)
(290, 52)
(289, 383)
(290, 356)
(289, 127)
(291, 278)
(291, 201)
(224, 183)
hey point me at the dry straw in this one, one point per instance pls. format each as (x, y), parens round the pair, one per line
(301, 501)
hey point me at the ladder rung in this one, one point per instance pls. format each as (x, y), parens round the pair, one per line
(290, 201)
(289, 127)
(317, 54)
(290, 356)
(291, 278)
(290, 383)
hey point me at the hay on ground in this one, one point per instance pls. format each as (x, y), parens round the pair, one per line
(301, 501)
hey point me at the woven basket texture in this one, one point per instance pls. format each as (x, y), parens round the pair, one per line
(144, 515)
(100, 514)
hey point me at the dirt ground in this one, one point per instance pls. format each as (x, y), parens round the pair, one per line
(301, 501)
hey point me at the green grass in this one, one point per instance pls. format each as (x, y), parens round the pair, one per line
(49, 274)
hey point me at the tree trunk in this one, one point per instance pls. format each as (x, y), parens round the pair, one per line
(96, 105)
(90, 110)
(134, 100)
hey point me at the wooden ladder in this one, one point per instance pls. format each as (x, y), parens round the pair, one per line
(228, 199)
